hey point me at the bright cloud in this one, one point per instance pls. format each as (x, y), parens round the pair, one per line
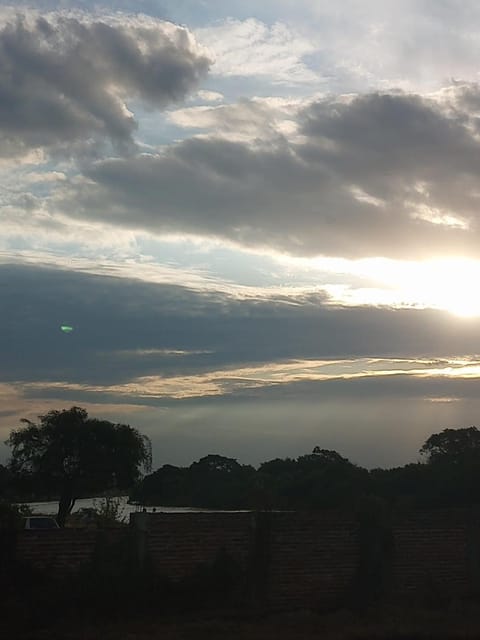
(252, 48)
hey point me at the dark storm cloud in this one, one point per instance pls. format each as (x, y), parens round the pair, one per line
(126, 328)
(380, 174)
(65, 79)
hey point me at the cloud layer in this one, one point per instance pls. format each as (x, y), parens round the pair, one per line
(382, 174)
(125, 329)
(386, 173)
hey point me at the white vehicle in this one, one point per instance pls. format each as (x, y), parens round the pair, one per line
(40, 522)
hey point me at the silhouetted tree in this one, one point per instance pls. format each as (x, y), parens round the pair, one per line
(453, 461)
(70, 453)
(407, 487)
(214, 481)
(450, 476)
(168, 486)
(331, 480)
(453, 446)
(318, 480)
(5, 481)
(219, 482)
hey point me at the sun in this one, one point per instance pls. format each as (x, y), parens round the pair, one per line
(448, 284)
(451, 284)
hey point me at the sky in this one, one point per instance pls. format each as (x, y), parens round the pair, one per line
(260, 220)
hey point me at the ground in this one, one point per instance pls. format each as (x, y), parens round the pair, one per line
(457, 621)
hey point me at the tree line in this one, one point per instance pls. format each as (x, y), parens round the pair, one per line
(447, 476)
(67, 455)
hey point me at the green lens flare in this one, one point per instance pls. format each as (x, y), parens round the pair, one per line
(66, 328)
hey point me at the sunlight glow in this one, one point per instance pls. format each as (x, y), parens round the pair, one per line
(451, 284)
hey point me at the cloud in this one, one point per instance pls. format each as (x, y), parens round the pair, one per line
(367, 45)
(434, 380)
(131, 332)
(209, 96)
(65, 78)
(246, 120)
(382, 174)
(377, 44)
(252, 48)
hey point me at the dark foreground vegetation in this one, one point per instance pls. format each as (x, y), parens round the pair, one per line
(68, 455)
(74, 610)
(448, 476)
(393, 623)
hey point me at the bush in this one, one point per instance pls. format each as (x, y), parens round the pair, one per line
(109, 512)
(11, 515)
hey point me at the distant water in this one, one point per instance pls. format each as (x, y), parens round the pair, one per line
(51, 508)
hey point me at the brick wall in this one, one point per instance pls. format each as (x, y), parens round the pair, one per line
(56, 550)
(296, 559)
(62, 550)
(314, 558)
(288, 559)
(432, 553)
(178, 542)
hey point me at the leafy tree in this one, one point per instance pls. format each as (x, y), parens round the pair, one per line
(279, 467)
(168, 486)
(214, 481)
(274, 480)
(11, 515)
(453, 461)
(406, 487)
(219, 482)
(109, 512)
(322, 479)
(71, 454)
(5, 481)
(453, 446)
(329, 480)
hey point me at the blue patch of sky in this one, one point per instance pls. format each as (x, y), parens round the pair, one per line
(154, 129)
(220, 262)
(241, 267)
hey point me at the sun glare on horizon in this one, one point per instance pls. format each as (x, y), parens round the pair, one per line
(450, 284)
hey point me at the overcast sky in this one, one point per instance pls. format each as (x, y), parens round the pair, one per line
(260, 220)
